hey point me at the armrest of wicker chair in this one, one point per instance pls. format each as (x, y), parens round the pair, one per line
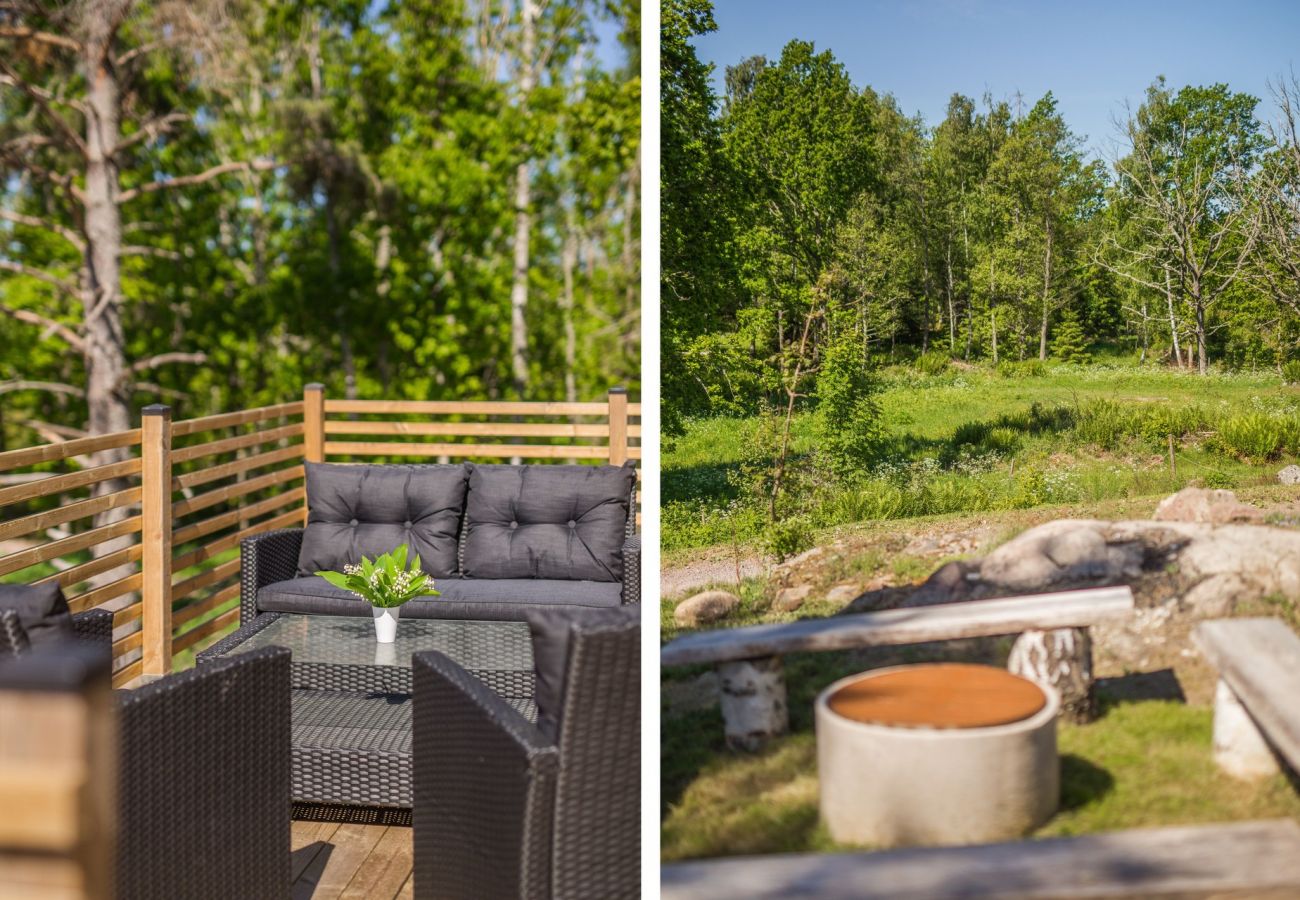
(204, 773)
(484, 789)
(265, 559)
(94, 625)
(632, 569)
(13, 637)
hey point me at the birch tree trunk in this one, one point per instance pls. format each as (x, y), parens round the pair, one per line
(1047, 287)
(523, 212)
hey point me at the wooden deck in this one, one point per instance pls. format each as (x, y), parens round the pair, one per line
(358, 862)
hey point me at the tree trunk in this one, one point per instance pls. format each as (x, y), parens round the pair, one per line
(1060, 660)
(1047, 288)
(993, 322)
(340, 310)
(523, 214)
(569, 260)
(1173, 319)
(952, 307)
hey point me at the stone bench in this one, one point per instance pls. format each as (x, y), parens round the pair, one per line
(1256, 710)
(1244, 859)
(1053, 649)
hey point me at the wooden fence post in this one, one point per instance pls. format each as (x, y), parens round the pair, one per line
(617, 426)
(313, 422)
(156, 538)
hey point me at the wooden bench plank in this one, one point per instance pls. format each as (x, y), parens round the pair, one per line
(1260, 660)
(1246, 859)
(949, 621)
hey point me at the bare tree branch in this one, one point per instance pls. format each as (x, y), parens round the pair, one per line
(151, 129)
(41, 37)
(260, 165)
(46, 225)
(141, 250)
(40, 98)
(49, 387)
(163, 359)
(41, 275)
(69, 336)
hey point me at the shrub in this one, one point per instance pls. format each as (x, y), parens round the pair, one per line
(1071, 341)
(1256, 436)
(1104, 423)
(788, 538)
(932, 363)
(1291, 372)
(1025, 368)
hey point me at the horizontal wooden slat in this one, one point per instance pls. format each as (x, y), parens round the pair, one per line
(80, 573)
(1260, 660)
(107, 592)
(208, 604)
(124, 676)
(238, 442)
(54, 549)
(30, 456)
(948, 621)
(206, 630)
(230, 541)
(1243, 859)
(243, 417)
(466, 407)
(225, 470)
(125, 645)
(634, 410)
(467, 429)
(232, 491)
(211, 576)
(494, 451)
(58, 484)
(207, 526)
(68, 512)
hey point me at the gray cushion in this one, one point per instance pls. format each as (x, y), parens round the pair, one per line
(460, 598)
(548, 522)
(42, 609)
(355, 511)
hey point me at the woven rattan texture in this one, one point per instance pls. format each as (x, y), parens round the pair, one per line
(597, 799)
(13, 637)
(265, 559)
(484, 782)
(94, 625)
(204, 790)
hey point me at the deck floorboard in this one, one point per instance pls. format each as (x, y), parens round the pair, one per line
(331, 861)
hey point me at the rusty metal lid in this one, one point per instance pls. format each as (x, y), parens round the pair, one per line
(939, 695)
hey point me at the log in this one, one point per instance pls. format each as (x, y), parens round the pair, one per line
(1061, 660)
(753, 701)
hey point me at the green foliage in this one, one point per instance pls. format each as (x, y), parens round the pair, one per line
(1291, 372)
(386, 582)
(1255, 436)
(933, 363)
(1071, 343)
(847, 414)
(787, 538)
(1027, 368)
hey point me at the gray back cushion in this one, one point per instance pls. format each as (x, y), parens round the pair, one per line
(558, 522)
(355, 511)
(42, 610)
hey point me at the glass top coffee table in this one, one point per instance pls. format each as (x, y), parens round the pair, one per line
(352, 695)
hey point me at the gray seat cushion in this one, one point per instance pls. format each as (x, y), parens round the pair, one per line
(547, 522)
(460, 598)
(365, 510)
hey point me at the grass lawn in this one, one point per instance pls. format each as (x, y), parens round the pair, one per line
(1142, 763)
(971, 440)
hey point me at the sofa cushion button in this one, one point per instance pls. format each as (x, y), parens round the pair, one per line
(514, 524)
(406, 524)
(573, 524)
(353, 523)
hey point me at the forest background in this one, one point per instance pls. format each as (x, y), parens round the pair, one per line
(209, 204)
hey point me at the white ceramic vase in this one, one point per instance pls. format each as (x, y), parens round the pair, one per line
(386, 623)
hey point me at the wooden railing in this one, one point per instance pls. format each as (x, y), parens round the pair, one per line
(147, 522)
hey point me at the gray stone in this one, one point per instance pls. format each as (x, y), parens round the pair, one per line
(843, 593)
(791, 598)
(1289, 475)
(705, 608)
(1216, 507)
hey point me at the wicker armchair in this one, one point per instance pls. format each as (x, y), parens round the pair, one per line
(203, 778)
(505, 808)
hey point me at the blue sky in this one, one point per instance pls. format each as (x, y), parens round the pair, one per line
(1092, 55)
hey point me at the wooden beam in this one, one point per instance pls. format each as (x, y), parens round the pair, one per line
(228, 420)
(58, 484)
(463, 451)
(617, 426)
(313, 422)
(466, 407)
(1259, 659)
(949, 621)
(54, 549)
(30, 456)
(238, 442)
(1244, 859)
(156, 538)
(67, 512)
(466, 429)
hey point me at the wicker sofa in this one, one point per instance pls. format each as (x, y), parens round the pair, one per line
(496, 539)
(203, 759)
(509, 808)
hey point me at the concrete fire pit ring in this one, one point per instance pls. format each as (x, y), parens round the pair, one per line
(949, 754)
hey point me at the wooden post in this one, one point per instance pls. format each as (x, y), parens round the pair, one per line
(753, 700)
(58, 777)
(313, 422)
(156, 538)
(617, 426)
(1060, 659)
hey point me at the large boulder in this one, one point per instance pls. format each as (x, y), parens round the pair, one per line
(705, 608)
(1289, 475)
(791, 598)
(1194, 504)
